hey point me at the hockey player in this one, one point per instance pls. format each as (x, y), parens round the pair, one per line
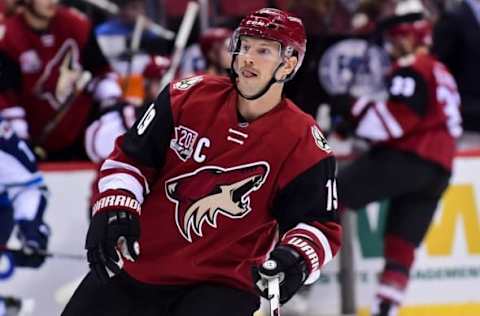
(53, 78)
(152, 77)
(23, 200)
(218, 176)
(214, 44)
(413, 136)
(115, 38)
(209, 56)
(8, 8)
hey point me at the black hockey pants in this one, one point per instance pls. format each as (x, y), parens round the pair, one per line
(123, 296)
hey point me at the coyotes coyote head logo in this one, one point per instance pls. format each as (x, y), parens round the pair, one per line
(201, 195)
(62, 76)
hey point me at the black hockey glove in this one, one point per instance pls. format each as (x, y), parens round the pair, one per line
(343, 123)
(113, 233)
(341, 105)
(290, 267)
(34, 238)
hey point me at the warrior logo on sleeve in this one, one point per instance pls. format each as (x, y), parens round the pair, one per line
(208, 191)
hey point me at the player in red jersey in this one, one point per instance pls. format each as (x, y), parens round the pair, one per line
(54, 76)
(219, 175)
(214, 44)
(9, 8)
(413, 134)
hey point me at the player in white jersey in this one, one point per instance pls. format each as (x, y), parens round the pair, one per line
(23, 200)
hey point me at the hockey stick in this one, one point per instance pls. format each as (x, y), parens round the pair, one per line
(137, 34)
(274, 295)
(204, 15)
(134, 48)
(82, 82)
(55, 255)
(273, 288)
(180, 42)
(112, 8)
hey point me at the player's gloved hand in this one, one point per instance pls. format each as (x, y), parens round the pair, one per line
(343, 128)
(343, 123)
(341, 104)
(113, 233)
(290, 267)
(34, 238)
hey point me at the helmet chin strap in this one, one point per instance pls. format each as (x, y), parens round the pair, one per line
(233, 77)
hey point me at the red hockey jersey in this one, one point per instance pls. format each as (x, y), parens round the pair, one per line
(43, 72)
(421, 114)
(219, 191)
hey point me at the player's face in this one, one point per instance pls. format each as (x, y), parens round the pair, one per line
(151, 89)
(45, 8)
(219, 55)
(400, 45)
(255, 64)
(11, 7)
(224, 56)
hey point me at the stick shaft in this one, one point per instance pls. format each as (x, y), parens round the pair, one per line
(107, 6)
(137, 33)
(180, 42)
(58, 255)
(274, 296)
(112, 9)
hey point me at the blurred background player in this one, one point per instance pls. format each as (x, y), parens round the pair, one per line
(413, 135)
(101, 133)
(214, 43)
(115, 37)
(152, 77)
(9, 8)
(457, 44)
(208, 56)
(54, 78)
(23, 200)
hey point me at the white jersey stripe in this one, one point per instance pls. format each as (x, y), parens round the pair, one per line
(122, 181)
(238, 141)
(328, 254)
(393, 126)
(312, 277)
(233, 131)
(13, 112)
(360, 105)
(114, 164)
(391, 293)
(371, 127)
